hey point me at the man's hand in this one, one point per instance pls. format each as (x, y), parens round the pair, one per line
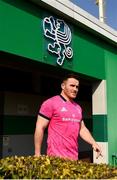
(97, 148)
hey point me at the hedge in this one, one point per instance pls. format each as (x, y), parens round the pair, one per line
(47, 167)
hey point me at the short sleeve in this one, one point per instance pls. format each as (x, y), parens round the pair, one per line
(46, 109)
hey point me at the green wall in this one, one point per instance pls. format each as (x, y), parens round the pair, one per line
(22, 34)
(111, 75)
(88, 54)
(100, 128)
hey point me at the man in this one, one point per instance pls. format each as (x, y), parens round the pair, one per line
(64, 120)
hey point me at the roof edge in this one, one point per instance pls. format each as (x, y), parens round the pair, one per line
(79, 15)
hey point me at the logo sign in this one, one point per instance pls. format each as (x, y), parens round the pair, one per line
(59, 35)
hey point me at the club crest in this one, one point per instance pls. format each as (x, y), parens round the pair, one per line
(60, 38)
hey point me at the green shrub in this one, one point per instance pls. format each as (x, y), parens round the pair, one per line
(46, 167)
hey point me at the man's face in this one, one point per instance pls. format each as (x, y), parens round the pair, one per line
(70, 88)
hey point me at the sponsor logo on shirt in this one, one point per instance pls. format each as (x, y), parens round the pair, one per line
(71, 119)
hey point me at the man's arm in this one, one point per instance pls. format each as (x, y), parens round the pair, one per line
(41, 124)
(86, 135)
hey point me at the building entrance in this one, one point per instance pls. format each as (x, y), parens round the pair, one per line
(24, 86)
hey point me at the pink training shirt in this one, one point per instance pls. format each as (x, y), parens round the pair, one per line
(65, 118)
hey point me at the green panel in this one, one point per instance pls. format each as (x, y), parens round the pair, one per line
(21, 31)
(111, 75)
(100, 128)
(18, 124)
(88, 54)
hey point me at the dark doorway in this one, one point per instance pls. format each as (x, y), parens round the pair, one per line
(21, 75)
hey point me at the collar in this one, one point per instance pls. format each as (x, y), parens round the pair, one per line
(63, 98)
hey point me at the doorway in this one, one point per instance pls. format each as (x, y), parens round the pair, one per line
(24, 86)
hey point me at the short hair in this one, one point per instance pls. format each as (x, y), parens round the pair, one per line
(70, 76)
